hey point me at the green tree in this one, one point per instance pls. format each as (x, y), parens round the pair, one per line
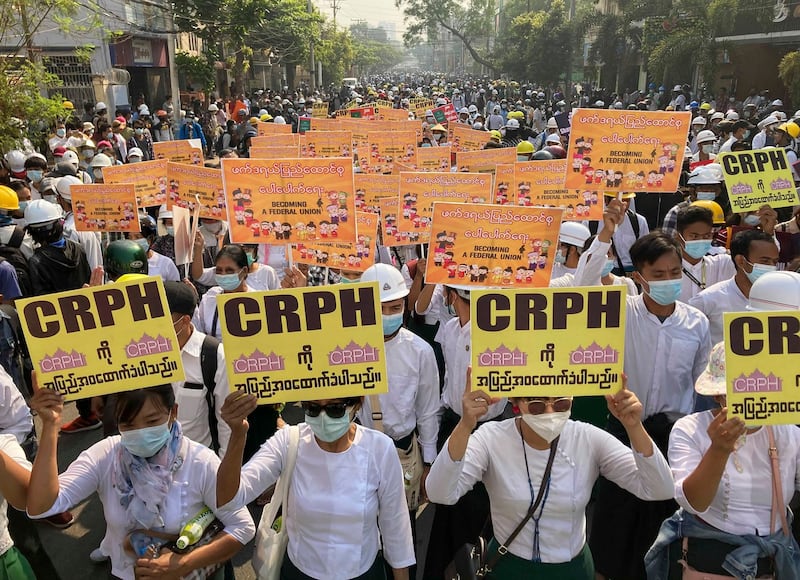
(373, 51)
(335, 52)
(197, 70)
(789, 73)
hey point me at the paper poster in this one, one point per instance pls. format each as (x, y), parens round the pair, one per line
(613, 150)
(277, 140)
(419, 191)
(284, 152)
(319, 110)
(548, 342)
(761, 351)
(272, 129)
(486, 245)
(305, 344)
(101, 207)
(386, 148)
(385, 114)
(371, 187)
(755, 178)
(325, 124)
(502, 183)
(356, 257)
(433, 159)
(486, 160)
(102, 339)
(391, 235)
(179, 151)
(541, 183)
(368, 113)
(421, 106)
(327, 144)
(289, 200)
(187, 184)
(181, 221)
(445, 114)
(463, 138)
(148, 177)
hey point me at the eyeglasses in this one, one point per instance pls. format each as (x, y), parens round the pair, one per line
(539, 406)
(332, 410)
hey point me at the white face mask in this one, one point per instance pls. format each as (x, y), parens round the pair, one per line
(548, 426)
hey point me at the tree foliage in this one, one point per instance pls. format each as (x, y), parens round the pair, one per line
(336, 52)
(373, 51)
(197, 70)
(789, 73)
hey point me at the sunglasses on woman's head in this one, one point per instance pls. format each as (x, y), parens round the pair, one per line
(539, 406)
(332, 410)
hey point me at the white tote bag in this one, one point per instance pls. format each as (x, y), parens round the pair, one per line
(271, 542)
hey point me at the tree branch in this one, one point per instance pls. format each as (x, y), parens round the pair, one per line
(476, 56)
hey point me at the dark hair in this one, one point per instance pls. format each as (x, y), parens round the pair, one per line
(35, 162)
(692, 215)
(233, 252)
(651, 247)
(18, 186)
(129, 403)
(740, 245)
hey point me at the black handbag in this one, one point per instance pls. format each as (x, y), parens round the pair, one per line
(471, 561)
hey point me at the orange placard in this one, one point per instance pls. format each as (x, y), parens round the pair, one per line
(101, 207)
(385, 114)
(485, 160)
(325, 125)
(148, 177)
(285, 152)
(326, 144)
(356, 256)
(487, 245)
(279, 140)
(419, 191)
(465, 139)
(386, 148)
(180, 151)
(371, 187)
(503, 178)
(187, 184)
(391, 236)
(541, 183)
(272, 129)
(289, 200)
(613, 150)
(433, 158)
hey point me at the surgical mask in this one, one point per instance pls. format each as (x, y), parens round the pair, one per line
(746, 135)
(88, 154)
(134, 159)
(664, 292)
(143, 243)
(561, 257)
(751, 220)
(548, 426)
(23, 205)
(522, 158)
(328, 429)
(609, 265)
(213, 227)
(438, 136)
(109, 135)
(451, 309)
(145, 442)
(98, 173)
(228, 282)
(61, 132)
(250, 260)
(708, 148)
(139, 131)
(706, 195)
(35, 175)
(696, 248)
(170, 230)
(758, 270)
(391, 323)
(344, 280)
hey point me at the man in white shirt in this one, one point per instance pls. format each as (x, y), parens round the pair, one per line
(632, 227)
(571, 238)
(740, 130)
(764, 137)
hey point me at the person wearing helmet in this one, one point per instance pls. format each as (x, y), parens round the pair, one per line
(524, 151)
(463, 116)
(89, 241)
(135, 155)
(124, 257)
(678, 102)
(764, 137)
(157, 264)
(439, 134)
(100, 114)
(740, 131)
(571, 238)
(494, 120)
(705, 184)
(775, 291)
(705, 141)
(551, 128)
(633, 227)
(555, 150)
(511, 135)
(13, 236)
(697, 125)
(785, 136)
(98, 163)
(86, 152)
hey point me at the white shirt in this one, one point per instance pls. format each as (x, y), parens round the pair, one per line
(624, 237)
(726, 147)
(663, 360)
(455, 341)
(342, 506)
(743, 501)
(714, 301)
(436, 310)
(89, 241)
(494, 456)
(590, 267)
(760, 139)
(192, 406)
(274, 256)
(15, 418)
(696, 157)
(264, 278)
(160, 265)
(194, 485)
(413, 397)
(709, 270)
(9, 446)
(211, 239)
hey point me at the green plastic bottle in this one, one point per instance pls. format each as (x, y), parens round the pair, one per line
(194, 528)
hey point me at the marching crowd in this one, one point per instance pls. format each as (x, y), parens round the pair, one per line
(656, 481)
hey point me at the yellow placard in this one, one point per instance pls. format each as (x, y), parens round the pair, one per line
(283, 152)
(149, 179)
(486, 245)
(391, 235)
(486, 160)
(103, 339)
(420, 106)
(319, 110)
(612, 150)
(386, 148)
(272, 129)
(188, 183)
(325, 144)
(419, 191)
(761, 373)
(502, 184)
(433, 159)
(541, 183)
(755, 178)
(356, 256)
(371, 187)
(101, 207)
(179, 151)
(289, 200)
(463, 138)
(548, 342)
(277, 140)
(305, 344)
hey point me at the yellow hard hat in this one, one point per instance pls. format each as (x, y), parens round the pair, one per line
(524, 147)
(8, 199)
(625, 194)
(705, 107)
(68, 105)
(254, 121)
(714, 207)
(266, 117)
(496, 135)
(791, 128)
(516, 115)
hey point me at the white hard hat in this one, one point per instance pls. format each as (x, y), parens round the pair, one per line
(706, 174)
(212, 108)
(699, 121)
(512, 124)
(142, 106)
(390, 281)
(780, 115)
(573, 233)
(552, 123)
(279, 120)
(64, 186)
(706, 136)
(70, 157)
(767, 121)
(718, 116)
(144, 111)
(472, 109)
(677, 88)
(16, 160)
(554, 139)
(100, 160)
(779, 290)
(776, 103)
(463, 111)
(599, 104)
(731, 116)
(41, 211)
(135, 152)
(164, 213)
(100, 106)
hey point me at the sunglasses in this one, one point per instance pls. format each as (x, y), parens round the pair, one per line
(332, 410)
(539, 406)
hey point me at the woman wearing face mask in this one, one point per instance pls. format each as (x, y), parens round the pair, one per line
(157, 264)
(346, 496)
(230, 273)
(510, 458)
(164, 244)
(259, 276)
(148, 478)
(142, 140)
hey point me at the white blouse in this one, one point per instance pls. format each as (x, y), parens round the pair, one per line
(494, 457)
(743, 502)
(9, 446)
(194, 486)
(341, 506)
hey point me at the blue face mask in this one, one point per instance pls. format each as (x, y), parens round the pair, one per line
(561, 257)
(143, 243)
(250, 260)
(664, 292)
(609, 265)
(35, 175)
(751, 220)
(145, 442)
(228, 282)
(391, 323)
(758, 270)
(696, 248)
(706, 196)
(327, 429)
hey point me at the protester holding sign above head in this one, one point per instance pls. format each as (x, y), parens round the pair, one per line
(633, 227)
(571, 238)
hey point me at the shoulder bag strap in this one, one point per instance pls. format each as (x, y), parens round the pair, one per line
(503, 549)
(377, 414)
(778, 509)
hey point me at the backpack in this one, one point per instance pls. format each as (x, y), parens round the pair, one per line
(208, 367)
(14, 356)
(12, 254)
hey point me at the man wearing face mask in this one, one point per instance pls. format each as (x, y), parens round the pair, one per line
(740, 131)
(571, 238)
(59, 138)
(666, 348)
(89, 241)
(705, 148)
(705, 184)
(99, 161)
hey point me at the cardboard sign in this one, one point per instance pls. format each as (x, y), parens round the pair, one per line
(433, 159)
(187, 184)
(372, 187)
(486, 160)
(305, 344)
(289, 200)
(103, 339)
(327, 144)
(149, 179)
(348, 256)
(613, 150)
(419, 191)
(503, 180)
(181, 222)
(325, 124)
(761, 376)
(386, 148)
(368, 113)
(392, 236)
(319, 110)
(541, 183)
(420, 106)
(101, 207)
(277, 140)
(486, 245)
(385, 114)
(548, 342)
(445, 114)
(179, 151)
(756, 178)
(462, 138)
(283, 152)
(272, 129)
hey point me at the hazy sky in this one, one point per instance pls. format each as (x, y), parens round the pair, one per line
(373, 11)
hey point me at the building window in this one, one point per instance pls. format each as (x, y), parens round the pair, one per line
(75, 75)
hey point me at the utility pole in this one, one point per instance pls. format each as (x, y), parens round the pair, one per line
(174, 86)
(568, 88)
(336, 5)
(312, 76)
